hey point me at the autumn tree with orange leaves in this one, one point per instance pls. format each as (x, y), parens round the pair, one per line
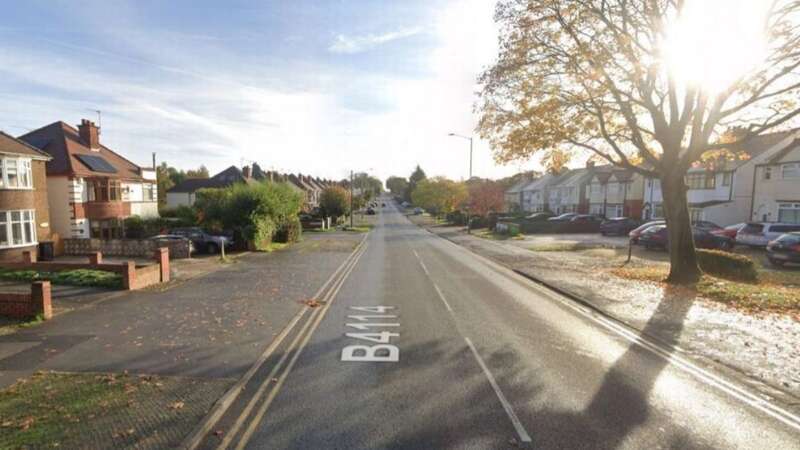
(628, 82)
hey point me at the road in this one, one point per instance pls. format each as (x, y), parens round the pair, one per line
(475, 356)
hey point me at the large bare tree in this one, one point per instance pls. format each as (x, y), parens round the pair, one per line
(594, 76)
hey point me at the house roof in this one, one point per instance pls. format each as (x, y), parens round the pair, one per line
(223, 179)
(779, 155)
(541, 182)
(64, 145)
(11, 145)
(754, 147)
(573, 177)
(517, 187)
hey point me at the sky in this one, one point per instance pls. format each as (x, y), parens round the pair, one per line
(318, 87)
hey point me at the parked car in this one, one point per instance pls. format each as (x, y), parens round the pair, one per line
(657, 236)
(636, 233)
(757, 234)
(731, 230)
(172, 237)
(563, 217)
(538, 217)
(370, 211)
(618, 225)
(586, 218)
(203, 241)
(418, 211)
(705, 225)
(785, 249)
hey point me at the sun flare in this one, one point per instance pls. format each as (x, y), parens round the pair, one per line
(714, 42)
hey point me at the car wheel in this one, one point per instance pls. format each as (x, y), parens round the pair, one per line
(776, 263)
(727, 246)
(212, 249)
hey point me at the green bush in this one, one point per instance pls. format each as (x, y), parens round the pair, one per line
(727, 265)
(261, 233)
(289, 231)
(139, 228)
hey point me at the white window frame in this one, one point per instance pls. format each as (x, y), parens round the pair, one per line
(788, 207)
(727, 178)
(767, 174)
(795, 168)
(24, 170)
(9, 223)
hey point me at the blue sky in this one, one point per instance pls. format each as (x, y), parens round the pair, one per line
(314, 86)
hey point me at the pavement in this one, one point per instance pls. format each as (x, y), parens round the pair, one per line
(420, 343)
(214, 325)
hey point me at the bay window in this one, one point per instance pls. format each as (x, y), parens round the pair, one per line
(17, 228)
(104, 190)
(790, 170)
(789, 212)
(15, 173)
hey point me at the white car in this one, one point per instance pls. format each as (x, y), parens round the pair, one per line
(757, 234)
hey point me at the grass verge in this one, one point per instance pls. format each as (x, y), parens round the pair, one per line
(77, 277)
(486, 234)
(761, 296)
(89, 410)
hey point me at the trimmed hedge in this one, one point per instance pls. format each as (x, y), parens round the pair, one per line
(289, 231)
(727, 265)
(260, 234)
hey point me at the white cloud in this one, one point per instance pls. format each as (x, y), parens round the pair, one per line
(357, 44)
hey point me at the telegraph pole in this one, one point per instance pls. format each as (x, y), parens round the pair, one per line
(351, 199)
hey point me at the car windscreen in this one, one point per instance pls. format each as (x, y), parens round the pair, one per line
(752, 228)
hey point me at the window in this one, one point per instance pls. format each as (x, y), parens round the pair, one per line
(767, 175)
(696, 214)
(701, 180)
(790, 170)
(15, 173)
(17, 228)
(149, 192)
(727, 178)
(104, 190)
(658, 211)
(106, 229)
(789, 212)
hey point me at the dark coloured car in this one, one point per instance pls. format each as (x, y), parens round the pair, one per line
(706, 225)
(657, 237)
(370, 211)
(563, 217)
(636, 233)
(618, 226)
(538, 217)
(785, 249)
(203, 241)
(586, 218)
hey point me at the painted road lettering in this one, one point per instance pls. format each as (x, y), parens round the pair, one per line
(382, 350)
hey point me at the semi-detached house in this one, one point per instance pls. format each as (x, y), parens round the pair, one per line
(24, 214)
(90, 188)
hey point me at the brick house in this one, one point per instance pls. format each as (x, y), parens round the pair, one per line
(24, 214)
(615, 192)
(91, 189)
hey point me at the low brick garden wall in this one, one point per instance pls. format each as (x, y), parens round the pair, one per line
(126, 247)
(23, 306)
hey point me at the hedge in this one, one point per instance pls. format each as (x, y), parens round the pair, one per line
(260, 234)
(727, 265)
(289, 231)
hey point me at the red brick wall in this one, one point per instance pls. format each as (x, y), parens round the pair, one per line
(22, 306)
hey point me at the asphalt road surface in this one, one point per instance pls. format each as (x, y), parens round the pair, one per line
(425, 345)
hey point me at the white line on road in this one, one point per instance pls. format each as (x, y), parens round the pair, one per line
(740, 393)
(441, 296)
(523, 435)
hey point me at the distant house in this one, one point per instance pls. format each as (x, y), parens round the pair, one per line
(535, 194)
(615, 192)
(24, 213)
(568, 193)
(91, 188)
(184, 193)
(513, 195)
(733, 191)
(776, 188)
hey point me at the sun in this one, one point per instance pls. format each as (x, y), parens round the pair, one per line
(715, 42)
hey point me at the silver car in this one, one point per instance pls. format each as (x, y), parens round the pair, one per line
(757, 234)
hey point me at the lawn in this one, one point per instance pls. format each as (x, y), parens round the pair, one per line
(90, 410)
(769, 294)
(77, 277)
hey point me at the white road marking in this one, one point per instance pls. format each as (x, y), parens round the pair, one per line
(523, 434)
(441, 296)
(705, 376)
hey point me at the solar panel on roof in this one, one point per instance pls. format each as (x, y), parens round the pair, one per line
(96, 163)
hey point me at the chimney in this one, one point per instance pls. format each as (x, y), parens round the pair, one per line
(246, 171)
(90, 134)
(590, 164)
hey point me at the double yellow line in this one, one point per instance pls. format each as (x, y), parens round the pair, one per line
(268, 389)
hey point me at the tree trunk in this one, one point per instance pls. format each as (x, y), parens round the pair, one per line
(682, 257)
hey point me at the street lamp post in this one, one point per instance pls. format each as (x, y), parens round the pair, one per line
(469, 138)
